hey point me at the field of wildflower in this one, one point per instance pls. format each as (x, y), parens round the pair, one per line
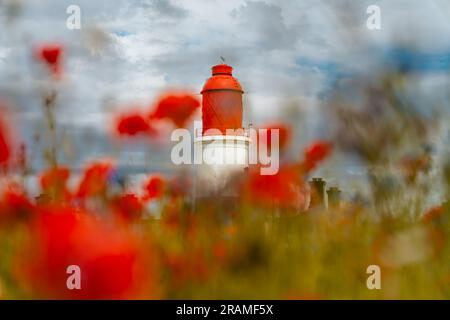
(157, 242)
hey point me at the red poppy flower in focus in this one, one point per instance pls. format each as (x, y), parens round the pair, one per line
(315, 153)
(95, 179)
(133, 124)
(113, 264)
(128, 207)
(284, 134)
(5, 151)
(177, 108)
(51, 55)
(154, 187)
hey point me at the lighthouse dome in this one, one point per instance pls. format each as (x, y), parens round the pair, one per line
(222, 100)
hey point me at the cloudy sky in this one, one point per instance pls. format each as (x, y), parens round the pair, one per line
(285, 53)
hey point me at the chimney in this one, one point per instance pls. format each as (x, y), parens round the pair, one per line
(334, 197)
(317, 193)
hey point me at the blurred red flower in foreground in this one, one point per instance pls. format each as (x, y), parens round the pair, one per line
(5, 151)
(315, 153)
(54, 183)
(176, 107)
(14, 204)
(112, 262)
(51, 55)
(95, 179)
(55, 177)
(284, 135)
(133, 124)
(154, 187)
(283, 189)
(128, 207)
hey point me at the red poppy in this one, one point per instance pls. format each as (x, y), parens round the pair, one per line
(282, 189)
(54, 183)
(133, 124)
(128, 207)
(14, 204)
(177, 108)
(54, 177)
(284, 134)
(154, 187)
(315, 153)
(111, 261)
(5, 150)
(51, 55)
(95, 180)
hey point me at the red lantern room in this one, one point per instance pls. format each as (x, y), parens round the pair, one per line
(222, 100)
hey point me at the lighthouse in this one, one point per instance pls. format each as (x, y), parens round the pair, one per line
(221, 143)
